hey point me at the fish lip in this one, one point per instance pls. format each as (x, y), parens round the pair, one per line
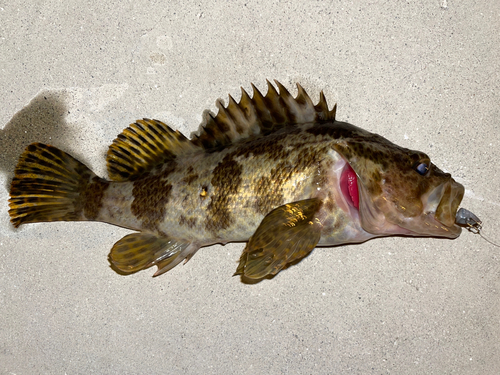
(443, 211)
(437, 228)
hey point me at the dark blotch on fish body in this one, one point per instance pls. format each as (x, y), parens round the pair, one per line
(226, 181)
(151, 196)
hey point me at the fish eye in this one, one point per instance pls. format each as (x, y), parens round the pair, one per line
(422, 168)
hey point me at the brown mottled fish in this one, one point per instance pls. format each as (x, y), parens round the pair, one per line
(276, 171)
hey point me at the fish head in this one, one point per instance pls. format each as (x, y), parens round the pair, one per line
(399, 191)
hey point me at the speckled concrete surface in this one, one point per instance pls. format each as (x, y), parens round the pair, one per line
(423, 74)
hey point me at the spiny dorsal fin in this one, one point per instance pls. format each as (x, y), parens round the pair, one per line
(142, 146)
(259, 115)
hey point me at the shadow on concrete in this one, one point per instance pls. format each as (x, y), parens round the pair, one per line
(42, 120)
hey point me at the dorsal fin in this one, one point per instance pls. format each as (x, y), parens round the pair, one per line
(259, 115)
(146, 143)
(142, 146)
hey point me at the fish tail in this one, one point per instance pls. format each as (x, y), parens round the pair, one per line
(51, 185)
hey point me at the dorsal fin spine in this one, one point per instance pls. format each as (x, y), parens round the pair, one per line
(258, 98)
(259, 115)
(288, 101)
(238, 115)
(300, 98)
(278, 111)
(224, 116)
(245, 103)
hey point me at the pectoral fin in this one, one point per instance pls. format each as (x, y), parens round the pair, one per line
(139, 251)
(286, 234)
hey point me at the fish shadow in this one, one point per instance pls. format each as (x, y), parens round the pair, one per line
(42, 120)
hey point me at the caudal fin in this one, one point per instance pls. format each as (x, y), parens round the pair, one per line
(51, 185)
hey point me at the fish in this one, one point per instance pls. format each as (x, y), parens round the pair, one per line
(275, 171)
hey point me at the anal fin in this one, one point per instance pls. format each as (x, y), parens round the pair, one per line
(286, 234)
(138, 251)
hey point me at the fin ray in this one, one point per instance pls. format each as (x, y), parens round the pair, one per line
(142, 146)
(138, 251)
(286, 234)
(48, 185)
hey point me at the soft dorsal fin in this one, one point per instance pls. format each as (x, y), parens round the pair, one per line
(142, 146)
(259, 115)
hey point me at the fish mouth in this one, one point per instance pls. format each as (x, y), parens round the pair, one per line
(439, 215)
(349, 186)
(451, 195)
(380, 217)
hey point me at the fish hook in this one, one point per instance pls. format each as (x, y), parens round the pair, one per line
(472, 223)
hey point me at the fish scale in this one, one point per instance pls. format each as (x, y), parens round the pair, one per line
(276, 171)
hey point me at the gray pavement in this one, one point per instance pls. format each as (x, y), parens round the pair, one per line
(423, 74)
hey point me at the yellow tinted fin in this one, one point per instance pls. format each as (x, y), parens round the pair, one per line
(138, 251)
(259, 115)
(51, 185)
(286, 234)
(144, 145)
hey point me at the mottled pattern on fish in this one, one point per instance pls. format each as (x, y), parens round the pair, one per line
(276, 171)
(224, 196)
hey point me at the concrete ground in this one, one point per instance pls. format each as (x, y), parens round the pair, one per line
(424, 74)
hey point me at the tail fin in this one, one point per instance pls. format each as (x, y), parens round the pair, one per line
(51, 185)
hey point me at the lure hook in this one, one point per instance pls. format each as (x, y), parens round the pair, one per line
(471, 222)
